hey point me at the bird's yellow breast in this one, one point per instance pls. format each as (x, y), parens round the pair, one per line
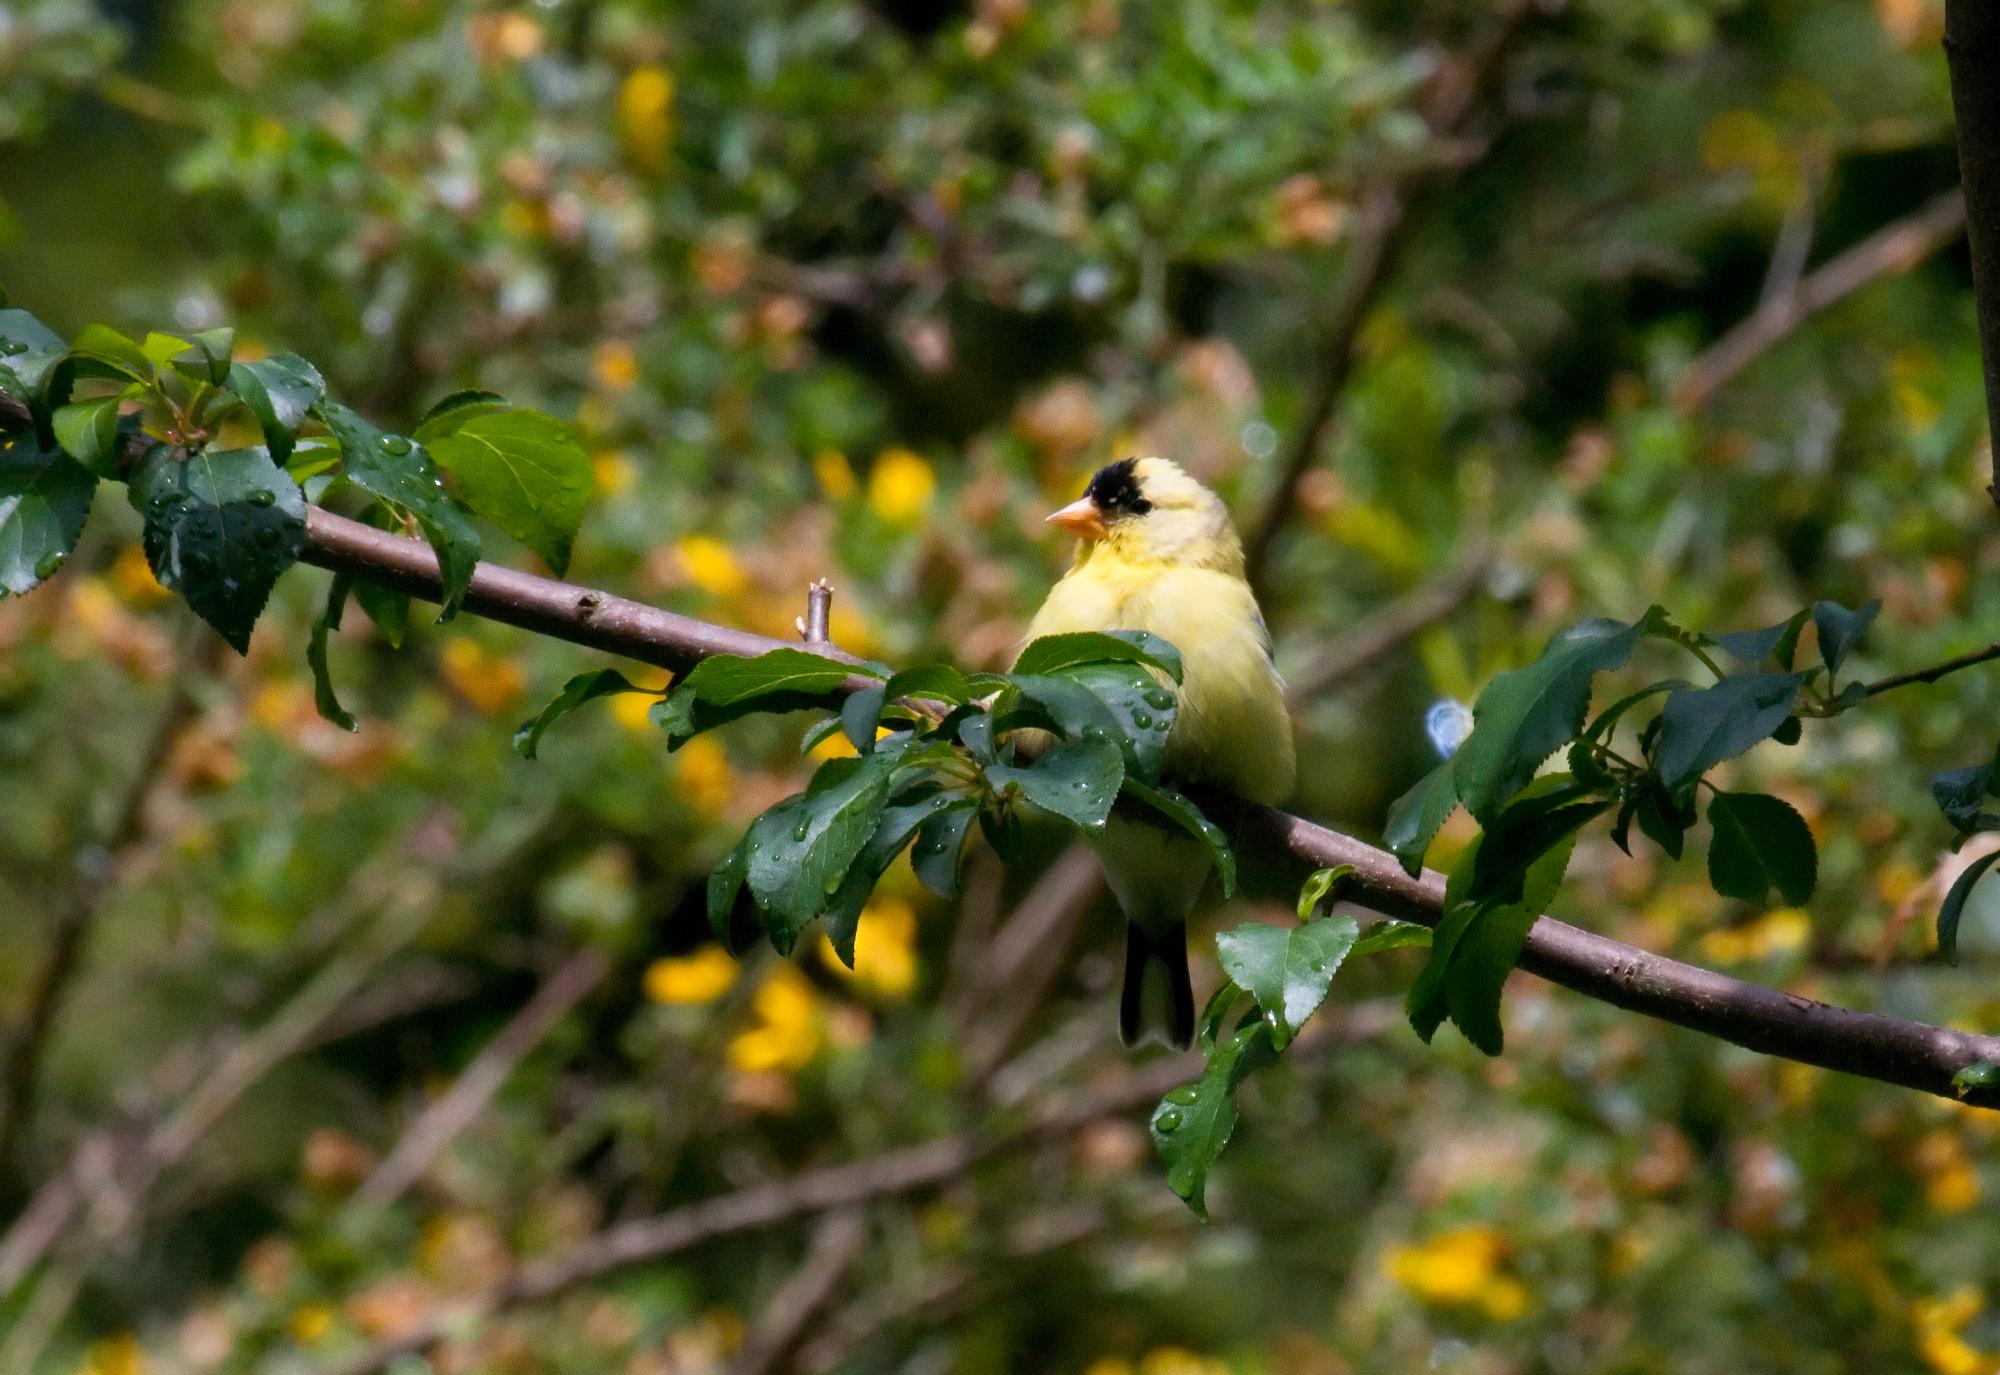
(1230, 727)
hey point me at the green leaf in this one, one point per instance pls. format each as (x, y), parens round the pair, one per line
(1076, 779)
(1475, 946)
(940, 843)
(900, 821)
(1183, 812)
(1526, 830)
(819, 733)
(585, 687)
(280, 391)
(1193, 1123)
(220, 529)
(1701, 727)
(158, 348)
(1760, 843)
(1954, 905)
(1663, 818)
(1053, 653)
(726, 679)
(801, 849)
(1779, 642)
(1526, 715)
(441, 418)
(1286, 969)
(1975, 1077)
(1119, 701)
(121, 356)
(399, 472)
(1414, 818)
(214, 347)
(1961, 795)
(935, 682)
(44, 497)
(88, 431)
(860, 714)
(519, 469)
(1319, 888)
(1840, 630)
(725, 884)
(323, 626)
(28, 348)
(1391, 935)
(388, 608)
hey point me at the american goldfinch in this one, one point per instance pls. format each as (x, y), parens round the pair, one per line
(1159, 554)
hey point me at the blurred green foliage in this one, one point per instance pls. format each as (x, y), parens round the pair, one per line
(861, 290)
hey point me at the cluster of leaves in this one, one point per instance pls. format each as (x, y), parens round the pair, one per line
(221, 456)
(1528, 824)
(1080, 723)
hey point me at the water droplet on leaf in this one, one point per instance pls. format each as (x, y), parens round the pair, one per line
(1167, 1121)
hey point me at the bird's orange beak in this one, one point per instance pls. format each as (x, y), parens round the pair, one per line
(1080, 517)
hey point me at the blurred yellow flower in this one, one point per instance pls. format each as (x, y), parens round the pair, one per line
(709, 565)
(701, 977)
(1460, 1267)
(1782, 931)
(632, 709)
(900, 485)
(1174, 1360)
(120, 1355)
(131, 577)
(616, 473)
(786, 1031)
(511, 36)
(1108, 1365)
(1380, 534)
(885, 957)
(646, 116)
(835, 474)
(706, 779)
(614, 366)
(1938, 1322)
(491, 683)
(310, 1323)
(1951, 1184)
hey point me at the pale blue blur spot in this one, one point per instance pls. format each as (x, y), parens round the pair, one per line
(1448, 723)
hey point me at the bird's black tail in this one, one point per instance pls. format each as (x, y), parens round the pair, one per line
(1158, 1001)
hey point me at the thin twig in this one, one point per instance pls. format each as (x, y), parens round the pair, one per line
(1390, 628)
(819, 611)
(1894, 248)
(1934, 672)
(439, 1124)
(785, 1323)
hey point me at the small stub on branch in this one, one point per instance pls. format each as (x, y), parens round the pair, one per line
(819, 608)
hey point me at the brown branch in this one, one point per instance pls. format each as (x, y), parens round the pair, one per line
(1934, 672)
(1894, 1051)
(439, 1124)
(1972, 52)
(79, 914)
(783, 1326)
(1391, 627)
(1895, 248)
(1377, 241)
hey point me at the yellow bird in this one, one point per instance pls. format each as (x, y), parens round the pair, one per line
(1159, 554)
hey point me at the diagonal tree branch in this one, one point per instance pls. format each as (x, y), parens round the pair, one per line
(1896, 247)
(1912, 1054)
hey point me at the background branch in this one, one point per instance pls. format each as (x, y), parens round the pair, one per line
(1972, 51)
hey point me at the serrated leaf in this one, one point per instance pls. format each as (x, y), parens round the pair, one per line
(398, 471)
(88, 432)
(1760, 843)
(933, 682)
(1840, 630)
(44, 499)
(1054, 653)
(1190, 818)
(1120, 701)
(220, 529)
(1193, 1123)
(521, 470)
(1527, 829)
(801, 849)
(901, 820)
(938, 847)
(584, 687)
(280, 391)
(1286, 969)
(456, 408)
(214, 347)
(28, 348)
(1662, 819)
(725, 885)
(1778, 642)
(726, 679)
(388, 608)
(1701, 727)
(1527, 714)
(328, 621)
(1414, 818)
(860, 714)
(1390, 935)
(1961, 795)
(1075, 779)
(102, 344)
(1323, 885)
(1954, 904)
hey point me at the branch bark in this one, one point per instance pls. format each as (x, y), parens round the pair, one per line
(1895, 1051)
(1896, 247)
(1972, 51)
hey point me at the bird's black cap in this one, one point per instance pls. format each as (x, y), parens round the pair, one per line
(1115, 490)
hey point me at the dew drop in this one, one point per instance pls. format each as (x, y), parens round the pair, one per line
(1170, 1120)
(263, 496)
(1185, 1096)
(799, 831)
(48, 565)
(395, 444)
(1142, 721)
